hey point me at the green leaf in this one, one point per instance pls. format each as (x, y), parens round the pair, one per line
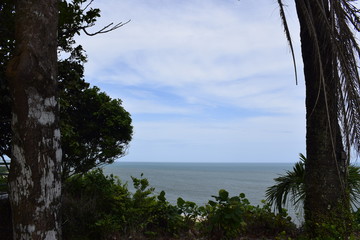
(223, 195)
(161, 196)
(180, 202)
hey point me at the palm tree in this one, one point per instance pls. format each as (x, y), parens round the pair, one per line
(290, 187)
(330, 55)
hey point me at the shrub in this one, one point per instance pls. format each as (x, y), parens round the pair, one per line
(94, 206)
(223, 218)
(229, 217)
(189, 211)
(101, 207)
(264, 222)
(152, 215)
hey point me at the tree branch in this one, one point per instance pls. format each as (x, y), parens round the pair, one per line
(87, 5)
(105, 29)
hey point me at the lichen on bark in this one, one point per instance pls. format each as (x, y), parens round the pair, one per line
(35, 174)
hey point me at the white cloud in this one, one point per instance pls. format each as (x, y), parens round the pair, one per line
(182, 43)
(253, 139)
(194, 66)
(152, 107)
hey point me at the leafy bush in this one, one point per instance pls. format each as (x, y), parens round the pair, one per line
(228, 217)
(101, 207)
(264, 222)
(152, 215)
(94, 206)
(189, 211)
(223, 218)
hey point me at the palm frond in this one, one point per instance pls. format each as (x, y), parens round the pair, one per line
(354, 185)
(339, 22)
(289, 186)
(288, 35)
(345, 45)
(336, 19)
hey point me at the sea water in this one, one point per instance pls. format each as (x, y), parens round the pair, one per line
(198, 182)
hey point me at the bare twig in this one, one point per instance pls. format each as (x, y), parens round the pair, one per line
(88, 5)
(105, 29)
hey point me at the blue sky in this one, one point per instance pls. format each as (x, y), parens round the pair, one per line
(204, 80)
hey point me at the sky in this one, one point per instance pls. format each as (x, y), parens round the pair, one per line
(204, 80)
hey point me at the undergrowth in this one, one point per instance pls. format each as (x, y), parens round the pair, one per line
(96, 206)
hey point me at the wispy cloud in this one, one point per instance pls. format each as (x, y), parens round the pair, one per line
(195, 73)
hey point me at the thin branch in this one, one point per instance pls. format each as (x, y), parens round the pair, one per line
(105, 29)
(87, 5)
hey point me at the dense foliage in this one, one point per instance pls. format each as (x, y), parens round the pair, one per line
(95, 128)
(102, 207)
(96, 206)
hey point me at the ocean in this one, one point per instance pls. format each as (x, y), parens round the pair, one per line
(198, 182)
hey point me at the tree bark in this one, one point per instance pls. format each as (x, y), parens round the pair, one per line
(327, 196)
(35, 174)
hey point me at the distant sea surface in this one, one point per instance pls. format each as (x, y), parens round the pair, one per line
(197, 182)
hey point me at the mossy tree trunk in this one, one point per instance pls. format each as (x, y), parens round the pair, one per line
(35, 177)
(327, 197)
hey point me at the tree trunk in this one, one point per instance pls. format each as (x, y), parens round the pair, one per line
(35, 176)
(327, 197)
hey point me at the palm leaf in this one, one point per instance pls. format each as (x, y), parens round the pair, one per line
(339, 21)
(288, 35)
(354, 186)
(290, 187)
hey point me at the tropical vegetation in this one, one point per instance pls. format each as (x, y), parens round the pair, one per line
(102, 206)
(330, 54)
(290, 187)
(95, 129)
